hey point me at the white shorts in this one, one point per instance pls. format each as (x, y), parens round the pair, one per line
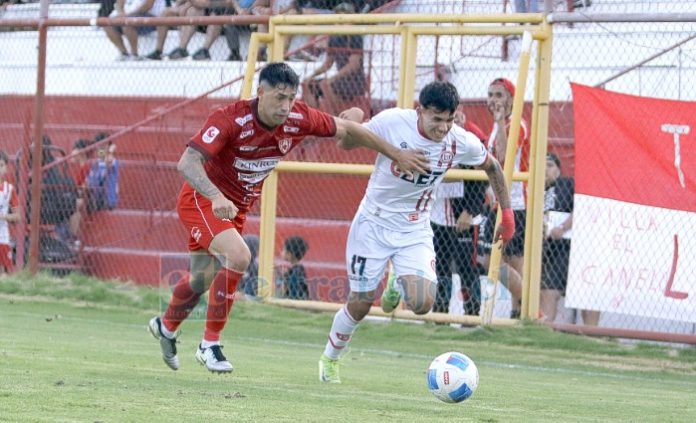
(371, 246)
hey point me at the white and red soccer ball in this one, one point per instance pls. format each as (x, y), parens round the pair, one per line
(452, 377)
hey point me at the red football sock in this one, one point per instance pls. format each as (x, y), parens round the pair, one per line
(184, 299)
(220, 299)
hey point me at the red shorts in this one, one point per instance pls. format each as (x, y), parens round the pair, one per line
(6, 257)
(196, 213)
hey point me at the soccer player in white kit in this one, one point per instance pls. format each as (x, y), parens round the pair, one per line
(393, 220)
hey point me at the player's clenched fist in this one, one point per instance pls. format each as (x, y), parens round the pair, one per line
(224, 208)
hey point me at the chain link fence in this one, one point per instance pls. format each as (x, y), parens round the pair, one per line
(112, 211)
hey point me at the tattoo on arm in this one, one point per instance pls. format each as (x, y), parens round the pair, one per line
(497, 181)
(191, 168)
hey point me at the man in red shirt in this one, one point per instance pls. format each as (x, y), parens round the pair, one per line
(501, 93)
(224, 166)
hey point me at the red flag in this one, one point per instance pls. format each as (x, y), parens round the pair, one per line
(635, 149)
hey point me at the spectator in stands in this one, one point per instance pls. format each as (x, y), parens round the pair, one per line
(80, 166)
(294, 280)
(334, 93)
(501, 93)
(526, 6)
(234, 32)
(132, 8)
(558, 223)
(179, 8)
(58, 201)
(102, 180)
(454, 218)
(212, 32)
(105, 8)
(250, 281)
(9, 213)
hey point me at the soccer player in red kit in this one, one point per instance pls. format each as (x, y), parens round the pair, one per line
(224, 166)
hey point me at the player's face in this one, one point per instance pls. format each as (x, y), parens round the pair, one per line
(434, 124)
(498, 97)
(552, 171)
(275, 103)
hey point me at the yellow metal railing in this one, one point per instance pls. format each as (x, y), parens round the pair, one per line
(535, 29)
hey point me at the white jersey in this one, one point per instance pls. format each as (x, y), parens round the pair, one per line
(8, 201)
(402, 203)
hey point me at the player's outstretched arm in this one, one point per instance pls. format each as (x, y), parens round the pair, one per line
(497, 180)
(351, 135)
(191, 168)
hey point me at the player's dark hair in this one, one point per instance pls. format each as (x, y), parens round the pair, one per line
(297, 246)
(555, 159)
(280, 73)
(439, 95)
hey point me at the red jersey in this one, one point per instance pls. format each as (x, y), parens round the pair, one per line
(241, 151)
(474, 129)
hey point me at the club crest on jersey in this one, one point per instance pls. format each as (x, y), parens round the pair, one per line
(210, 134)
(196, 233)
(413, 217)
(284, 145)
(446, 157)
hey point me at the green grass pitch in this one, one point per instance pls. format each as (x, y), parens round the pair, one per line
(77, 349)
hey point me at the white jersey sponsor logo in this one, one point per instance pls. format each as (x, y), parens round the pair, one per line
(248, 148)
(246, 134)
(295, 115)
(256, 165)
(291, 129)
(244, 119)
(210, 134)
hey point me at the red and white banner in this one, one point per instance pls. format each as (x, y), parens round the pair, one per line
(634, 221)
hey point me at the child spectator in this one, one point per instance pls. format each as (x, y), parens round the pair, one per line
(9, 212)
(102, 180)
(80, 166)
(294, 280)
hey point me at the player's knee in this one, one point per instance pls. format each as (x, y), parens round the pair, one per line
(198, 282)
(238, 261)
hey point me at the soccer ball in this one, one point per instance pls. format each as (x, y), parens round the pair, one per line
(452, 377)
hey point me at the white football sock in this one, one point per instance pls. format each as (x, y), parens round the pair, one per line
(207, 344)
(166, 332)
(341, 331)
